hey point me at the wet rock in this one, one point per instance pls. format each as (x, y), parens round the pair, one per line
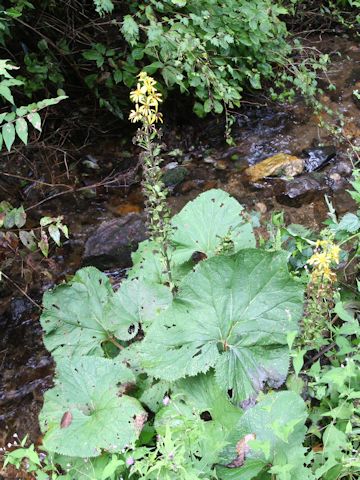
(318, 157)
(277, 165)
(174, 176)
(337, 176)
(20, 309)
(113, 242)
(303, 189)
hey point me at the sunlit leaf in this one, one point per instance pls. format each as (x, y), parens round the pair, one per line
(233, 313)
(102, 417)
(22, 129)
(8, 133)
(80, 316)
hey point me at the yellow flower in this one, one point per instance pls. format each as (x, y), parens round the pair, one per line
(325, 253)
(151, 118)
(136, 115)
(146, 110)
(137, 95)
(155, 97)
(319, 259)
(142, 76)
(146, 99)
(149, 83)
(154, 118)
(335, 253)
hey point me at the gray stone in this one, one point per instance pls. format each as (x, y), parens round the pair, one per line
(113, 242)
(337, 177)
(303, 189)
(318, 157)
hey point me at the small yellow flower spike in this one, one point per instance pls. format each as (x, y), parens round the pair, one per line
(326, 253)
(146, 99)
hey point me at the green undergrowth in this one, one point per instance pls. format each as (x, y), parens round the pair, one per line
(214, 376)
(211, 50)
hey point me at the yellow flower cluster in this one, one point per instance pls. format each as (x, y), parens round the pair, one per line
(146, 99)
(326, 253)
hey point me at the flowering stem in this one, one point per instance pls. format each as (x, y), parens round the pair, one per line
(146, 99)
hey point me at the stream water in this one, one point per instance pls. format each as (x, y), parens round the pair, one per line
(196, 159)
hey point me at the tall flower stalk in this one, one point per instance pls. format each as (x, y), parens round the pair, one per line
(146, 99)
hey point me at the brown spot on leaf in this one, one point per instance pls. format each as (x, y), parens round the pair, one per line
(66, 420)
(139, 421)
(242, 449)
(197, 257)
(125, 388)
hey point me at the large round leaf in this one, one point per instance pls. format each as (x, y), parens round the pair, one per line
(212, 223)
(203, 224)
(233, 313)
(86, 412)
(81, 315)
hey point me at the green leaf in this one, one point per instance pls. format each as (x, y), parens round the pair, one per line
(82, 468)
(148, 263)
(203, 393)
(103, 6)
(233, 314)
(285, 410)
(130, 29)
(44, 221)
(248, 471)
(15, 217)
(22, 129)
(203, 224)
(8, 133)
(298, 360)
(349, 223)
(80, 316)
(117, 76)
(35, 120)
(28, 239)
(170, 75)
(43, 244)
(141, 302)
(54, 233)
(190, 401)
(6, 93)
(86, 412)
(48, 102)
(153, 67)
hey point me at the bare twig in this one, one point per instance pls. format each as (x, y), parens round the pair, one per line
(2, 274)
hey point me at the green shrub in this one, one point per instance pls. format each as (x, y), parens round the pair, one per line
(213, 49)
(209, 49)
